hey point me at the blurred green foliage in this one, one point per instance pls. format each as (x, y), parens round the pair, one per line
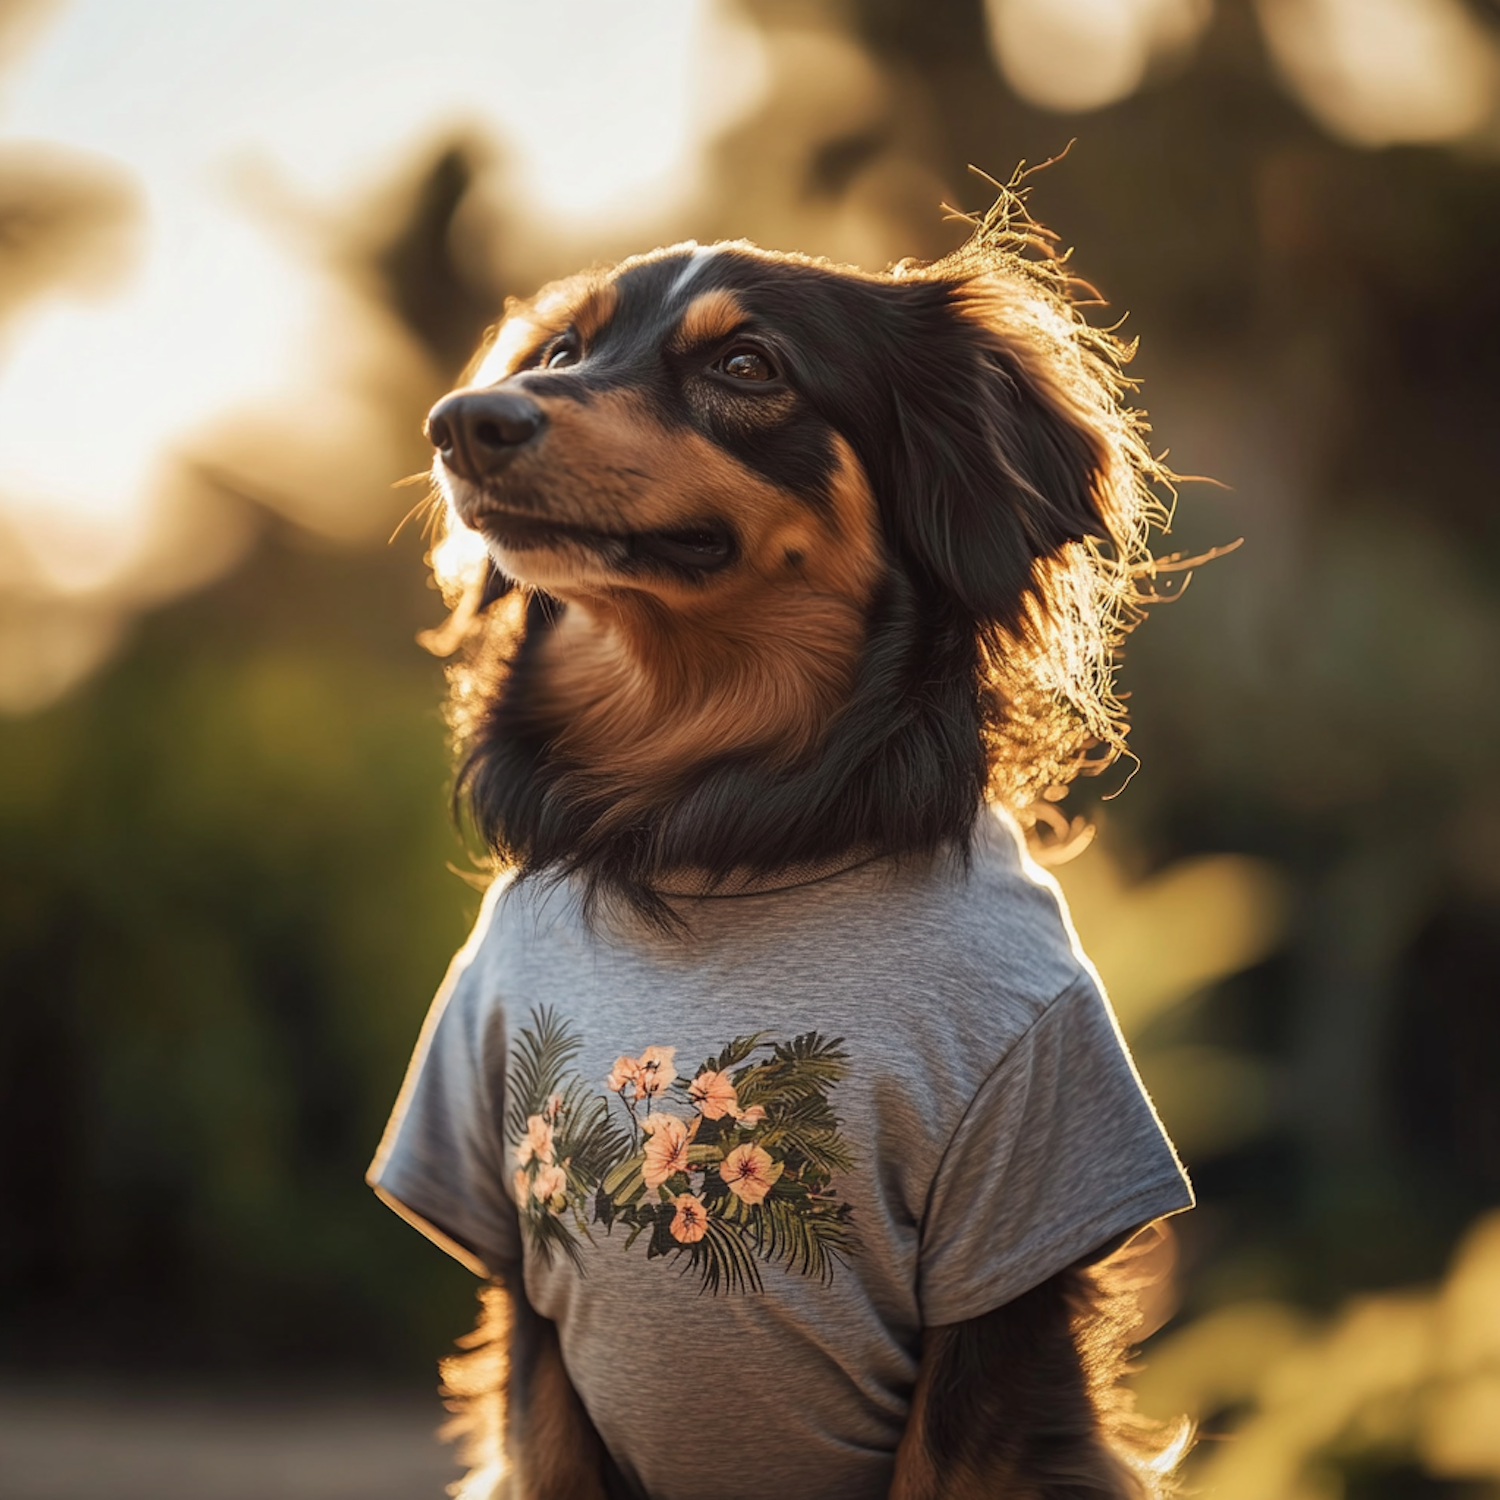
(224, 895)
(224, 903)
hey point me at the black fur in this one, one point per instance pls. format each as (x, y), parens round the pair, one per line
(512, 1413)
(983, 468)
(1018, 1403)
(976, 477)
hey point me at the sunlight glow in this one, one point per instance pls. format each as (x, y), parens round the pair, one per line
(1376, 72)
(600, 101)
(1083, 54)
(1158, 945)
(92, 393)
(602, 107)
(459, 559)
(1404, 1369)
(1158, 942)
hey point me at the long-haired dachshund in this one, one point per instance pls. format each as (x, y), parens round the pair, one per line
(771, 1094)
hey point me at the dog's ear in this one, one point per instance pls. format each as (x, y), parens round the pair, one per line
(1003, 462)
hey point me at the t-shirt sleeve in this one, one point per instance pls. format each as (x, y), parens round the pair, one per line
(1059, 1153)
(441, 1162)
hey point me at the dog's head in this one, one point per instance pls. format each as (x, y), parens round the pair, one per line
(810, 544)
(704, 413)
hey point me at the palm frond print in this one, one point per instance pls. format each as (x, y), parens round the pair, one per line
(725, 1170)
(562, 1136)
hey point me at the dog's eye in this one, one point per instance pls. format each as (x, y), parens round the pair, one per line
(559, 355)
(747, 364)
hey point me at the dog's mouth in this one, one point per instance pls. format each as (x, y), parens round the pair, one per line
(701, 547)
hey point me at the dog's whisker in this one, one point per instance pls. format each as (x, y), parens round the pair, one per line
(831, 620)
(429, 503)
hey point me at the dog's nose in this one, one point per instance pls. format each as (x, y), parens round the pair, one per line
(479, 432)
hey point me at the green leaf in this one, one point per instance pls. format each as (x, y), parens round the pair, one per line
(620, 1174)
(604, 1209)
(821, 1145)
(736, 1052)
(550, 1234)
(811, 1049)
(809, 1238)
(634, 1186)
(662, 1242)
(724, 1261)
(539, 1059)
(597, 1145)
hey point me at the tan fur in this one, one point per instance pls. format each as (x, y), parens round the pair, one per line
(708, 319)
(561, 1449)
(915, 1477)
(540, 1446)
(592, 314)
(610, 465)
(1121, 1455)
(474, 1390)
(584, 303)
(648, 679)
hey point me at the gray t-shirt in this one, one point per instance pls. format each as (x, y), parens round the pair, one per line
(743, 1168)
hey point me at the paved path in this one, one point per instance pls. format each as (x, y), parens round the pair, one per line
(119, 1444)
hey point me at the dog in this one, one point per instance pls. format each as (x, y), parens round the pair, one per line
(803, 593)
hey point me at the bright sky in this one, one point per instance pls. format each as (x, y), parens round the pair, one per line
(601, 102)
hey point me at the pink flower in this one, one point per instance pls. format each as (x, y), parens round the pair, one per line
(520, 1186)
(550, 1183)
(713, 1093)
(538, 1142)
(690, 1222)
(627, 1070)
(666, 1148)
(751, 1117)
(647, 1075)
(657, 1072)
(749, 1173)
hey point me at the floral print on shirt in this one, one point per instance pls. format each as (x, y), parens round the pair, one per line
(726, 1167)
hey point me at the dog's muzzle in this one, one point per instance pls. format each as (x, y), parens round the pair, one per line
(478, 432)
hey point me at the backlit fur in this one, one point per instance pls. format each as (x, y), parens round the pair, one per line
(730, 626)
(935, 517)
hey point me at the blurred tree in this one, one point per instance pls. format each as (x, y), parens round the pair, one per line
(222, 896)
(445, 288)
(224, 905)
